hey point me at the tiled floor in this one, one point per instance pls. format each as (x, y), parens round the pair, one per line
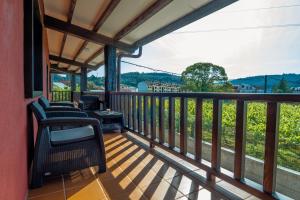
(135, 173)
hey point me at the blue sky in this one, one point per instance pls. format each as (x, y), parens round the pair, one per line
(246, 38)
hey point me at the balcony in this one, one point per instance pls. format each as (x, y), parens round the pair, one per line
(138, 172)
(163, 121)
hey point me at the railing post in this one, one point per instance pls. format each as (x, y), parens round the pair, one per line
(161, 119)
(271, 142)
(139, 114)
(73, 86)
(134, 112)
(198, 130)
(145, 112)
(171, 122)
(240, 131)
(183, 125)
(153, 117)
(129, 111)
(216, 135)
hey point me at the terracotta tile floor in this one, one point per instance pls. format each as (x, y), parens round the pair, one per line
(135, 173)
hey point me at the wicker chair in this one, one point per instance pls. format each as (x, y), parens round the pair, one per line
(56, 106)
(68, 150)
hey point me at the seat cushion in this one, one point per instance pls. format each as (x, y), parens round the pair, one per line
(72, 135)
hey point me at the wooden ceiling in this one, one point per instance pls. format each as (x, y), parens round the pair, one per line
(77, 30)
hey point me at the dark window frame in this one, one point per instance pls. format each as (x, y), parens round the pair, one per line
(33, 49)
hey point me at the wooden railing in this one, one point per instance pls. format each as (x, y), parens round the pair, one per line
(140, 111)
(61, 96)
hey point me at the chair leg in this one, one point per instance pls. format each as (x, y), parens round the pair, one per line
(36, 181)
(102, 168)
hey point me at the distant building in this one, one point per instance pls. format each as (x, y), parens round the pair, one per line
(157, 87)
(295, 89)
(126, 88)
(246, 88)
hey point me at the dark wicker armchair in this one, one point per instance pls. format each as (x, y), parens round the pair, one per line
(56, 106)
(67, 150)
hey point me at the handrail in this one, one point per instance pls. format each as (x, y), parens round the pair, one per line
(222, 96)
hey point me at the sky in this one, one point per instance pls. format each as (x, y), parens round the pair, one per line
(247, 38)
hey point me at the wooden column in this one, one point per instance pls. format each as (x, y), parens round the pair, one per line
(73, 82)
(110, 56)
(83, 79)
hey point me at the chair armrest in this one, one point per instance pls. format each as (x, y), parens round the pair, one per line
(68, 104)
(65, 121)
(74, 121)
(61, 108)
(52, 114)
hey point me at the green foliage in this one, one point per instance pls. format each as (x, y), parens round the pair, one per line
(204, 77)
(289, 128)
(282, 87)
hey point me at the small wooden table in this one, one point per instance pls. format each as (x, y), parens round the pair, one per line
(111, 121)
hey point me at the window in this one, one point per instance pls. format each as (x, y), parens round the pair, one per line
(33, 49)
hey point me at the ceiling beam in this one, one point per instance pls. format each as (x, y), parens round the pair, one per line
(147, 14)
(60, 70)
(85, 34)
(195, 15)
(70, 16)
(109, 9)
(70, 62)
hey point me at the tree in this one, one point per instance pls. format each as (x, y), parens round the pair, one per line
(282, 87)
(204, 77)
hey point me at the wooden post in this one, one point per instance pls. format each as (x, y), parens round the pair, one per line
(183, 125)
(198, 130)
(271, 143)
(73, 86)
(171, 122)
(110, 72)
(153, 117)
(240, 130)
(145, 112)
(161, 113)
(139, 114)
(216, 135)
(83, 79)
(134, 114)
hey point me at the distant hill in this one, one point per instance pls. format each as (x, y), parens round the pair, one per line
(133, 78)
(259, 81)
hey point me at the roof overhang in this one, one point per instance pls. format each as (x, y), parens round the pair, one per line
(77, 30)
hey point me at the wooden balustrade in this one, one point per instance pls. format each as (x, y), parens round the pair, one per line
(61, 96)
(140, 110)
